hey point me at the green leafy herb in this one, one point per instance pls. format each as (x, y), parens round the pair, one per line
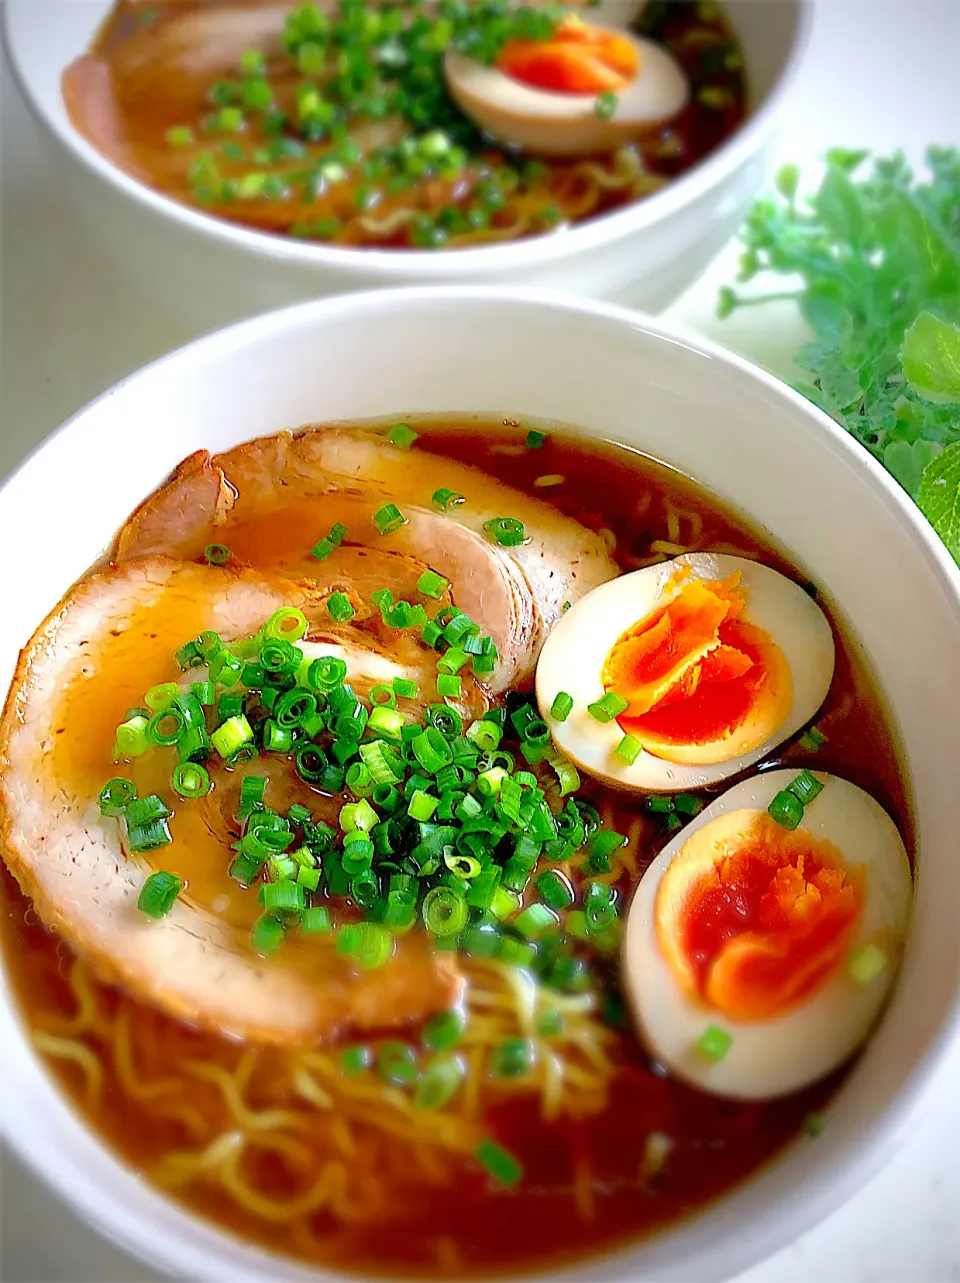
(878, 254)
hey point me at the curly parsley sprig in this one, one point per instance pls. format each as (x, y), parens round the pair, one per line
(878, 258)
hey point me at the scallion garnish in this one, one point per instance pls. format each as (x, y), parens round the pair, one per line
(444, 498)
(608, 707)
(605, 105)
(402, 435)
(508, 532)
(503, 1166)
(714, 1043)
(866, 964)
(389, 519)
(217, 554)
(159, 893)
(562, 706)
(338, 604)
(536, 440)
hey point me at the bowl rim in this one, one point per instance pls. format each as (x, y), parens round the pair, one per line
(413, 265)
(778, 1225)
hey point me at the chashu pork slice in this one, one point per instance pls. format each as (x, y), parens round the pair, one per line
(326, 474)
(112, 637)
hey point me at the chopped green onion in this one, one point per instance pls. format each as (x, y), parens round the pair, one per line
(355, 1060)
(805, 787)
(383, 696)
(440, 1082)
(605, 105)
(232, 735)
(687, 804)
(535, 440)
(315, 920)
(561, 707)
(285, 896)
(513, 1058)
(714, 1043)
(389, 518)
(217, 554)
(813, 1125)
(311, 763)
(338, 604)
(132, 738)
(397, 1063)
(116, 795)
(555, 889)
(550, 1024)
(322, 549)
(180, 136)
(812, 740)
(866, 964)
(444, 1031)
(608, 707)
(499, 1162)
(444, 498)
(402, 435)
(432, 584)
(449, 686)
(422, 805)
(787, 809)
(629, 749)
(326, 673)
(150, 836)
(158, 894)
(444, 911)
(534, 920)
(405, 689)
(267, 934)
(508, 532)
(190, 779)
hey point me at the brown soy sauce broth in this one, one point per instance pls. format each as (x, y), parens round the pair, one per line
(585, 1189)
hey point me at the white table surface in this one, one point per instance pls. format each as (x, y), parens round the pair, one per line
(883, 74)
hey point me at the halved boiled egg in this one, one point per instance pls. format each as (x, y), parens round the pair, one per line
(711, 659)
(758, 958)
(584, 90)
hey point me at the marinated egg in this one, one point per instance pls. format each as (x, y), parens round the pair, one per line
(757, 958)
(706, 662)
(584, 90)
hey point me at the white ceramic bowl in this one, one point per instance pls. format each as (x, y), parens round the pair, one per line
(614, 375)
(647, 253)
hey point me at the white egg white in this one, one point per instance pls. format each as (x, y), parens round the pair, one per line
(573, 657)
(773, 1057)
(549, 123)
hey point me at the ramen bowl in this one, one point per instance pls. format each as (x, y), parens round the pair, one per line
(609, 374)
(646, 252)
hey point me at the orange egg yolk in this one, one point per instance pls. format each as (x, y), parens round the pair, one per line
(576, 59)
(692, 672)
(754, 918)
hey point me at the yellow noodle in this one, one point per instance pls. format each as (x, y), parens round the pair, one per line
(448, 1255)
(179, 1167)
(134, 1085)
(389, 225)
(668, 548)
(296, 1150)
(673, 524)
(343, 1136)
(274, 1209)
(231, 1088)
(77, 1052)
(309, 1090)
